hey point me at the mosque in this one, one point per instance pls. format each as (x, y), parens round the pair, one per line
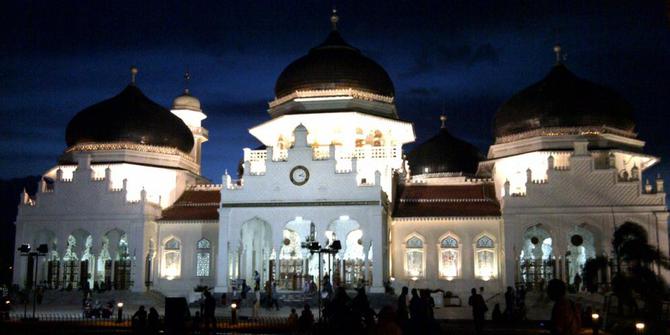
(126, 205)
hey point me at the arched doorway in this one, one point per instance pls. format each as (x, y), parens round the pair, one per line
(348, 266)
(581, 247)
(537, 262)
(256, 248)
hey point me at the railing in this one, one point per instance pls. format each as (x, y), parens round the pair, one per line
(77, 323)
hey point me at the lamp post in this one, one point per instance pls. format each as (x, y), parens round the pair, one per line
(639, 328)
(233, 313)
(119, 316)
(42, 250)
(595, 318)
(315, 248)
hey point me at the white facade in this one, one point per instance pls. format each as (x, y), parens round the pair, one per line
(265, 217)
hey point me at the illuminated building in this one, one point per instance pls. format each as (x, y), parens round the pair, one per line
(126, 205)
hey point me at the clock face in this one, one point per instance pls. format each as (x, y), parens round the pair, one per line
(299, 175)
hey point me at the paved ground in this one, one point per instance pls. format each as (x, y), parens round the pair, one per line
(69, 303)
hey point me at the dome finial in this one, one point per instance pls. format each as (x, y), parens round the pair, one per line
(334, 18)
(559, 53)
(133, 74)
(187, 79)
(443, 116)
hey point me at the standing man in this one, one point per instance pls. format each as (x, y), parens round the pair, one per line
(478, 310)
(210, 306)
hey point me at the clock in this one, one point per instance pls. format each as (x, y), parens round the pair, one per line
(299, 175)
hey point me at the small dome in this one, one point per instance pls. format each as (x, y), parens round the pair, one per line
(129, 117)
(334, 65)
(187, 101)
(562, 99)
(444, 153)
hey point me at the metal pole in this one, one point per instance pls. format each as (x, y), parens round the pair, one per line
(25, 300)
(37, 258)
(320, 279)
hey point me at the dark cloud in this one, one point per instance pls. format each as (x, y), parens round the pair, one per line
(445, 57)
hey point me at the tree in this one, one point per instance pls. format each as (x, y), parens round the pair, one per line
(638, 277)
(592, 268)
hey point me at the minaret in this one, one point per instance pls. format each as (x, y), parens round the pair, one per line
(188, 109)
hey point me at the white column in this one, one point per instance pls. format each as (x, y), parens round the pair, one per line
(222, 264)
(366, 268)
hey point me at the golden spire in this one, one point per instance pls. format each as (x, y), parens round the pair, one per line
(133, 74)
(334, 18)
(187, 79)
(443, 116)
(558, 52)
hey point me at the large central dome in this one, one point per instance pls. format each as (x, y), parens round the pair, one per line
(334, 64)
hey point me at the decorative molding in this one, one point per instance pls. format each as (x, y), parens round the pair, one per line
(562, 131)
(301, 204)
(346, 92)
(445, 218)
(127, 146)
(187, 221)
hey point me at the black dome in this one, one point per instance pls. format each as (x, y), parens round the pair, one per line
(129, 117)
(562, 99)
(333, 65)
(444, 153)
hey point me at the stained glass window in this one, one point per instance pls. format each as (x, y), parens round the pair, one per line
(484, 242)
(485, 262)
(449, 242)
(202, 264)
(414, 242)
(449, 260)
(171, 265)
(414, 256)
(203, 244)
(203, 256)
(172, 244)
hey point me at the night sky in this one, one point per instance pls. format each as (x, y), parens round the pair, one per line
(58, 57)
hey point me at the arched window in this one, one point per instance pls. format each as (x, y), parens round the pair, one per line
(203, 258)
(171, 265)
(449, 262)
(414, 257)
(485, 258)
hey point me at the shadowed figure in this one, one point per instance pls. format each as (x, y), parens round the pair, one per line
(478, 310)
(565, 315)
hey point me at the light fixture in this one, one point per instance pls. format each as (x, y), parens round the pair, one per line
(119, 305)
(233, 305)
(639, 326)
(595, 327)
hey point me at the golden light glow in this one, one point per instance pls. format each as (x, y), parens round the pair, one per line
(595, 316)
(119, 305)
(127, 146)
(563, 131)
(348, 93)
(639, 326)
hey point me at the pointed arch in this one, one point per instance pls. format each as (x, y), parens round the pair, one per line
(415, 255)
(485, 247)
(449, 256)
(171, 258)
